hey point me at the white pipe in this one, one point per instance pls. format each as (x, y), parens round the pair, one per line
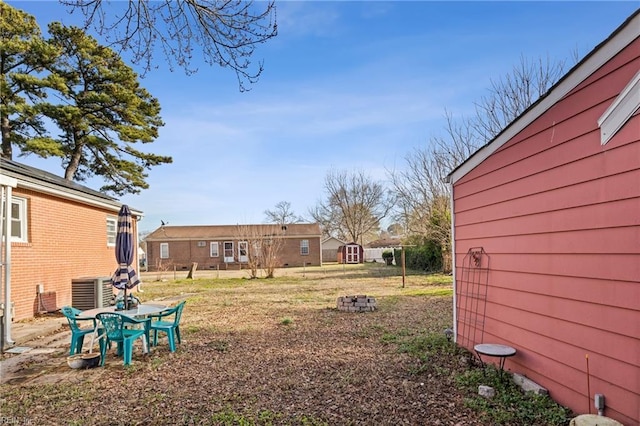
(453, 262)
(6, 241)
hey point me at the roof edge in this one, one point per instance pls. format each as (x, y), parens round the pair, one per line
(620, 38)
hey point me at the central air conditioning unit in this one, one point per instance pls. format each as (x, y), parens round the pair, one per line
(91, 292)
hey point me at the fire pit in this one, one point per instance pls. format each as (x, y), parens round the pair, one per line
(356, 303)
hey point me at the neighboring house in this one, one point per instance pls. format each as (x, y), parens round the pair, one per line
(59, 231)
(546, 226)
(330, 247)
(351, 253)
(373, 251)
(226, 246)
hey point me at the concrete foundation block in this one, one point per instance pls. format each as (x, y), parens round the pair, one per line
(529, 385)
(486, 391)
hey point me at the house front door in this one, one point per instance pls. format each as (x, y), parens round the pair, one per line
(243, 247)
(228, 252)
(353, 254)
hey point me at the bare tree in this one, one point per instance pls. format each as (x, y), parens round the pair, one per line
(261, 246)
(270, 249)
(354, 207)
(509, 96)
(227, 32)
(282, 214)
(423, 204)
(249, 236)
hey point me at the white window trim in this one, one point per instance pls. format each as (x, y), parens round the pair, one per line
(243, 245)
(228, 259)
(304, 244)
(22, 208)
(211, 246)
(164, 254)
(114, 220)
(621, 110)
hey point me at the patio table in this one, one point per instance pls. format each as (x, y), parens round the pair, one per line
(494, 350)
(142, 310)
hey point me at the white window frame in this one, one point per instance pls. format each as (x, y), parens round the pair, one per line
(243, 246)
(112, 230)
(621, 110)
(304, 247)
(212, 252)
(227, 247)
(164, 250)
(21, 220)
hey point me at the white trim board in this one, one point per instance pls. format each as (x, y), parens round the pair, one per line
(621, 110)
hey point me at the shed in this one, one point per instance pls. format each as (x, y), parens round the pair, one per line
(351, 253)
(546, 234)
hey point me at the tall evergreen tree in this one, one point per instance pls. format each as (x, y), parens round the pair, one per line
(103, 111)
(23, 55)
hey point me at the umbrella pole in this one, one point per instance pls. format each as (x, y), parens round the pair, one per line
(126, 304)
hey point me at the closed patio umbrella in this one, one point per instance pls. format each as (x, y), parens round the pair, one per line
(125, 276)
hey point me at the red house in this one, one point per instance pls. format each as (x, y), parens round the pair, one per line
(546, 235)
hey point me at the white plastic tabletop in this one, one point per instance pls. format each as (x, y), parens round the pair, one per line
(140, 310)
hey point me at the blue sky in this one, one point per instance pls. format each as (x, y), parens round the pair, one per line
(346, 85)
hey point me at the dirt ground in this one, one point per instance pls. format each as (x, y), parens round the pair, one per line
(259, 352)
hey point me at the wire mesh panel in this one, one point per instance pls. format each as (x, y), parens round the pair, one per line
(472, 279)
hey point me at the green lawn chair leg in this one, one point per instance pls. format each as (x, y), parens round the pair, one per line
(76, 344)
(155, 337)
(178, 333)
(172, 340)
(128, 351)
(147, 335)
(103, 352)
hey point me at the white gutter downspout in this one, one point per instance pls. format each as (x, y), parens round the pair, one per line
(453, 263)
(6, 185)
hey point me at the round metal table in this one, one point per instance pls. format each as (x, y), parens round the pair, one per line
(495, 350)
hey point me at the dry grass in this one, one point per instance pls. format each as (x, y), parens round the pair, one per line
(271, 352)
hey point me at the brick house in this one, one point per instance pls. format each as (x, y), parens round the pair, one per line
(226, 246)
(59, 231)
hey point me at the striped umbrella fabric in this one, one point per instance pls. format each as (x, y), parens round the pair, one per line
(125, 277)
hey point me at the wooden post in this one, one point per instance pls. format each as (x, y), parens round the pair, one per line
(192, 271)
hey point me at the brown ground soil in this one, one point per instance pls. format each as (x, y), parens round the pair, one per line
(263, 352)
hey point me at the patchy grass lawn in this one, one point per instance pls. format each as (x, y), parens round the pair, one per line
(271, 352)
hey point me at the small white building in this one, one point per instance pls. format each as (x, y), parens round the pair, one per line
(330, 247)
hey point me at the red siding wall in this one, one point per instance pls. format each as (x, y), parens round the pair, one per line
(67, 240)
(559, 216)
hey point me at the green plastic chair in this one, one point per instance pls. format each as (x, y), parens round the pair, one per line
(172, 328)
(115, 330)
(77, 332)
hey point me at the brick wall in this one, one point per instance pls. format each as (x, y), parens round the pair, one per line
(67, 240)
(183, 253)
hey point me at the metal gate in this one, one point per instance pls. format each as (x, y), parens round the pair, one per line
(472, 279)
